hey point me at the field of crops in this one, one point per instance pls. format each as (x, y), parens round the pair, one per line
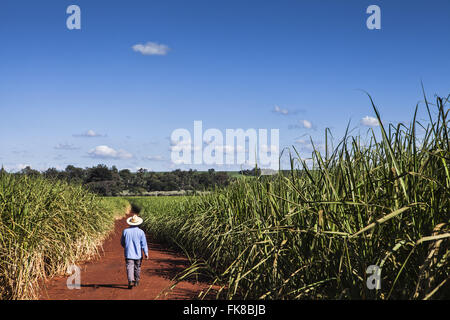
(45, 226)
(308, 233)
(313, 233)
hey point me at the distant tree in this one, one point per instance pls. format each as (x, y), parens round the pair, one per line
(29, 172)
(98, 173)
(115, 176)
(74, 174)
(127, 177)
(222, 179)
(51, 173)
(110, 181)
(104, 188)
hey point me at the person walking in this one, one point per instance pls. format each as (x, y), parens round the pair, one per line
(134, 242)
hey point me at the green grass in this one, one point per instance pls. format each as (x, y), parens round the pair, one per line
(312, 233)
(45, 226)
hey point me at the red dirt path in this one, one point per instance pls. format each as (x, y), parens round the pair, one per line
(105, 278)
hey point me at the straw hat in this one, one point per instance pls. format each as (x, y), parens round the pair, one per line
(134, 220)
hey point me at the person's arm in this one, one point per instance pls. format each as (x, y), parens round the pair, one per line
(144, 244)
(122, 240)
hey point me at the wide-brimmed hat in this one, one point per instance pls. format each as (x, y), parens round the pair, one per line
(134, 220)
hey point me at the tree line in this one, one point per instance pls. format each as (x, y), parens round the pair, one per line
(113, 182)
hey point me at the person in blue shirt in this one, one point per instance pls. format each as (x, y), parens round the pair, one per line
(134, 242)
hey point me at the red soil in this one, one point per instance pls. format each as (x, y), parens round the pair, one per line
(105, 278)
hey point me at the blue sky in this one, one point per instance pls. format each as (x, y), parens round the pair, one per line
(85, 97)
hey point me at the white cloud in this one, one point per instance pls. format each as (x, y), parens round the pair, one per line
(89, 134)
(307, 124)
(183, 142)
(301, 141)
(66, 146)
(151, 48)
(307, 146)
(370, 121)
(105, 152)
(177, 146)
(303, 124)
(277, 109)
(266, 148)
(183, 145)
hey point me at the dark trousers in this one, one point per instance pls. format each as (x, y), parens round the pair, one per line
(133, 269)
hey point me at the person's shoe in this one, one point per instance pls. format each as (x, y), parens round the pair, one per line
(130, 284)
(136, 283)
